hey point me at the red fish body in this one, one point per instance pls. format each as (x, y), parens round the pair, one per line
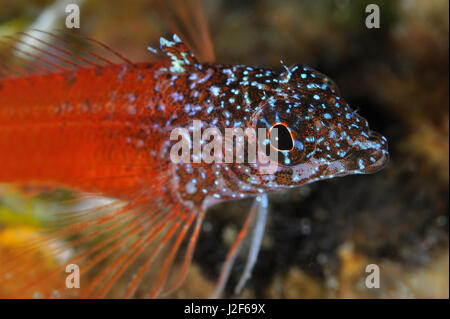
(74, 129)
(106, 130)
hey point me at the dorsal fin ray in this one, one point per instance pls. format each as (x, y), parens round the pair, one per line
(42, 52)
(180, 56)
(92, 54)
(18, 65)
(56, 48)
(23, 47)
(187, 19)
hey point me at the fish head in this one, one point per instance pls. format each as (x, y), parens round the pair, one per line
(317, 134)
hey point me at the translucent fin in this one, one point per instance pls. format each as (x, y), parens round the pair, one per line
(255, 245)
(232, 253)
(120, 248)
(255, 223)
(188, 255)
(187, 19)
(42, 52)
(181, 57)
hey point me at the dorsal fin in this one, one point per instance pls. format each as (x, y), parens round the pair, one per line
(187, 19)
(41, 52)
(179, 54)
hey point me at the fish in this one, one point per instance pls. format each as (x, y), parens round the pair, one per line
(104, 129)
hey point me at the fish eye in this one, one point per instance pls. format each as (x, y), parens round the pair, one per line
(284, 137)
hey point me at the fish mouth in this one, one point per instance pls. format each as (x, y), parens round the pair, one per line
(368, 156)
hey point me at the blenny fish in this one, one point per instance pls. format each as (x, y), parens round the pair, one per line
(102, 128)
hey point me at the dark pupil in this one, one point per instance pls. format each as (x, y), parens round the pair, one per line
(285, 142)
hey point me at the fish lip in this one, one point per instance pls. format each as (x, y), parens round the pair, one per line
(380, 164)
(380, 154)
(368, 156)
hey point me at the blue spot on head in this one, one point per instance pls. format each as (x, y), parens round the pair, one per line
(215, 90)
(299, 145)
(316, 97)
(361, 164)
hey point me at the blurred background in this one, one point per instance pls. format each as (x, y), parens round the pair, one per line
(319, 238)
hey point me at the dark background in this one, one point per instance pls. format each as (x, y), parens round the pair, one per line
(320, 237)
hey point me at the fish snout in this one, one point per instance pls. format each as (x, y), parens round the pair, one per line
(380, 154)
(368, 156)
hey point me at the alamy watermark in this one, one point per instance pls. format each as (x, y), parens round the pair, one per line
(236, 146)
(373, 277)
(73, 17)
(73, 279)
(373, 18)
